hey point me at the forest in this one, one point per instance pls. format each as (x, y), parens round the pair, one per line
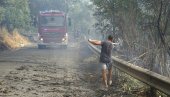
(142, 25)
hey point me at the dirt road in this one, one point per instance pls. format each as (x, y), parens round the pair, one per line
(51, 72)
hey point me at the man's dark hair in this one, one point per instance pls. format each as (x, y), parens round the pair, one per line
(110, 37)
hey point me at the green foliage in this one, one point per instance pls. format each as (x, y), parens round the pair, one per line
(42, 5)
(16, 13)
(142, 24)
(2, 11)
(81, 15)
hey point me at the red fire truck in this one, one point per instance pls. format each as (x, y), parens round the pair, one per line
(52, 29)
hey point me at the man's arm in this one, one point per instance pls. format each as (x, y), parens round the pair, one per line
(95, 42)
(115, 43)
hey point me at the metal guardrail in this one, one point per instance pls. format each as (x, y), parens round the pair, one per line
(153, 79)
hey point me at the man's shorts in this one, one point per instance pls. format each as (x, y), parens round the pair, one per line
(106, 65)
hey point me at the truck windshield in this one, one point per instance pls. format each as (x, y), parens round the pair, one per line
(51, 21)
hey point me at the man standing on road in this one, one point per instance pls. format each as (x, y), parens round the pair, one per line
(105, 58)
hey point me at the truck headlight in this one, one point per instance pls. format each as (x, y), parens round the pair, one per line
(66, 35)
(41, 39)
(63, 39)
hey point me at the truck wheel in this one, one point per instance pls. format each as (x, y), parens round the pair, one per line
(64, 46)
(41, 46)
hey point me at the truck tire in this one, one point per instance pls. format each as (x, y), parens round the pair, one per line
(64, 46)
(41, 46)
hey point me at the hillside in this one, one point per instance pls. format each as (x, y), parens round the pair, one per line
(12, 40)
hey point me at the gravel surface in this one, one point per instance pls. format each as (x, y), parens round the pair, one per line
(50, 72)
(53, 72)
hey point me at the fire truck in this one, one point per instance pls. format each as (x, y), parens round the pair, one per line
(52, 29)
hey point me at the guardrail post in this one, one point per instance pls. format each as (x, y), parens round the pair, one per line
(152, 92)
(115, 74)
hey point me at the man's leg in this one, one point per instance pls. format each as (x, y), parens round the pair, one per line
(104, 75)
(110, 75)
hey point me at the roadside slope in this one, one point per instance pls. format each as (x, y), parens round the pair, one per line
(12, 41)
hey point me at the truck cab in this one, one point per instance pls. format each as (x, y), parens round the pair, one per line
(52, 29)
